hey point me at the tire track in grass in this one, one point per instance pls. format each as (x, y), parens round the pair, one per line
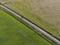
(48, 36)
(10, 30)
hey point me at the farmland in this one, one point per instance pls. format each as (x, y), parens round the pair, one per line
(43, 13)
(12, 32)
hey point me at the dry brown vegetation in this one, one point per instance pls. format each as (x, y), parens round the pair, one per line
(47, 10)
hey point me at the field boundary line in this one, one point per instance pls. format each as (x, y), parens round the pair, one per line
(45, 34)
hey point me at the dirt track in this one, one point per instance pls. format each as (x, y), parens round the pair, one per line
(48, 36)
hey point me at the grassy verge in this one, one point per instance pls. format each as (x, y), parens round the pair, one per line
(13, 32)
(25, 9)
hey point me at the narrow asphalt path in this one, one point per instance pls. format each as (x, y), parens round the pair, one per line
(48, 36)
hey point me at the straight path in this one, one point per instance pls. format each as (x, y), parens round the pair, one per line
(31, 25)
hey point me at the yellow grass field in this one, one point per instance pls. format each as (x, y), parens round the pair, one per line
(45, 13)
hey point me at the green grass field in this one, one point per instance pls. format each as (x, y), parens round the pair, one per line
(12, 32)
(45, 13)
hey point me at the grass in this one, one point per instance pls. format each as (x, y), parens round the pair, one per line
(12, 32)
(43, 13)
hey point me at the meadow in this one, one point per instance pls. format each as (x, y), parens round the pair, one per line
(12, 32)
(45, 13)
